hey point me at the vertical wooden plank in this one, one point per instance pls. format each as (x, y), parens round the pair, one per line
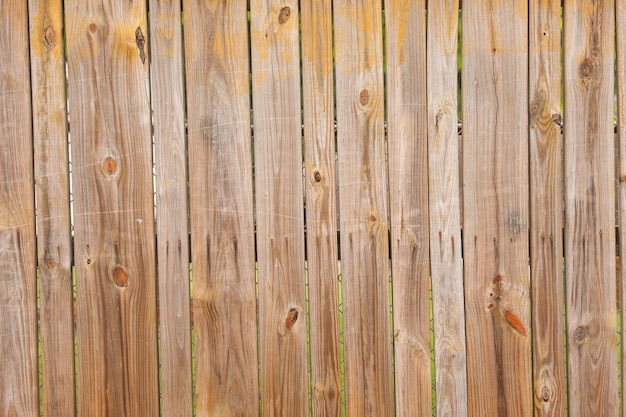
(363, 207)
(168, 106)
(18, 287)
(54, 243)
(221, 199)
(445, 209)
(113, 202)
(495, 226)
(546, 244)
(321, 205)
(279, 211)
(408, 195)
(589, 206)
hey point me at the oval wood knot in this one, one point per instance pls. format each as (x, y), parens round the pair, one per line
(364, 97)
(120, 277)
(292, 317)
(284, 15)
(581, 334)
(109, 166)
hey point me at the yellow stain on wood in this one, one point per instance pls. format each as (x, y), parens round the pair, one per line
(47, 30)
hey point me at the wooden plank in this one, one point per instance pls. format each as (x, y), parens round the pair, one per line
(446, 266)
(321, 205)
(590, 207)
(620, 26)
(495, 226)
(279, 211)
(18, 287)
(54, 245)
(546, 208)
(363, 207)
(168, 106)
(408, 195)
(107, 49)
(221, 200)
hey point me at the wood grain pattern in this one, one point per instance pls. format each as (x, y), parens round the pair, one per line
(18, 287)
(620, 29)
(363, 207)
(546, 207)
(495, 225)
(445, 210)
(408, 196)
(107, 47)
(168, 106)
(279, 206)
(221, 201)
(589, 206)
(321, 205)
(54, 245)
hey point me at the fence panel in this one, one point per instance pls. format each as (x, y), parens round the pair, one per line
(620, 27)
(446, 267)
(168, 106)
(407, 137)
(495, 226)
(546, 243)
(590, 207)
(107, 45)
(18, 287)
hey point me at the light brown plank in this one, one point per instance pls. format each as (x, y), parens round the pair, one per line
(496, 218)
(620, 27)
(114, 245)
(168, 106)
(590, 207)
(546, 208)
(221, 200)
(363, 207)
(321, 205)
(408, 196)
(54, 245)
(445, 210)
(279, 210)
(18, 287)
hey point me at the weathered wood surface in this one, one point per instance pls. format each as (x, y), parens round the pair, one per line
(620, 27)
(279, 206)
(18, 288)
(321, 205)
(546, 208)
(363, 207)
(54, 245)
(444, 210)
(221, 200)
(589, 206)
(168, 106)
(107, 47)
(496, 218)
(407, 137)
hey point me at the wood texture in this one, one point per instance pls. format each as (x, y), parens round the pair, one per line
(107, 46)
(168, 106)
(321, 205)
(589, 206)
(445, 210)
(363, 207)
(279, 206)
(620, 29)
(495, 226)
(408, 196)
(18, 287)
(546, 208)
(54, 245)
(222, 228)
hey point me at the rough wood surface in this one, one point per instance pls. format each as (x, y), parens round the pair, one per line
(107, 47)
(407, 137)
(620, 26)
(496, 218)
(221, 201)
(168, 106)
(444, 210)
(546, 208)
(590, 207)
(279, 206)
(54, 245)
(363, 207)
(18, 288)
(321, 205)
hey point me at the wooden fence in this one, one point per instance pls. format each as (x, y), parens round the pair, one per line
(347, 257)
